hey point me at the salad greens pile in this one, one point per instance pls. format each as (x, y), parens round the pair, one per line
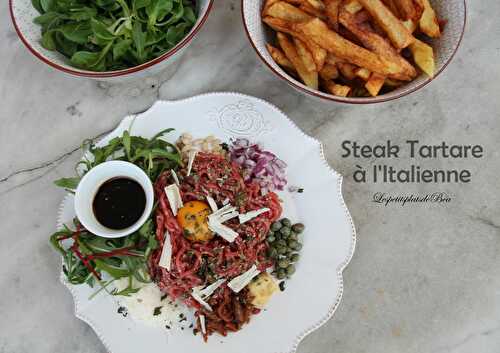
(107, 35)
(87, 256)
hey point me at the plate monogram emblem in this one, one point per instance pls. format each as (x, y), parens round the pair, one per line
(240, 119)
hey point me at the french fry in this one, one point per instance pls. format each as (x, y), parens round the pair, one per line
(333, 59)
(423, 55)
(347, 70)
(280, 57)
(279, 25)
(362, 16)
(410, 25)
(352, 6)
(378, 45)
(374, 84)
(307, 7)
(287, 12)
(329, 72)
(319, 32)
(317, 4)
(409, 9)
(268, 4)
(309, 78)
(305, 55)
(332, 13)
(397, 33)
(336, 89)
(428, 22)
(392, 83)
(391, 5)
(362, 73)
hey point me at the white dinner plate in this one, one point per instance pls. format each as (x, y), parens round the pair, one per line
(312, 294)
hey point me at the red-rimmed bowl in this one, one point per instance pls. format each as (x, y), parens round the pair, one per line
(453, 11)
(22, 13)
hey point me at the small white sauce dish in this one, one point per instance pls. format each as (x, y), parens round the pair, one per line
(90, 184)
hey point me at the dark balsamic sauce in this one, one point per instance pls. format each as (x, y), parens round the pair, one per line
(119, 203)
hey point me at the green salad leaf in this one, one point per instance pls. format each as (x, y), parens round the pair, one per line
(105, 35)
(87, 256)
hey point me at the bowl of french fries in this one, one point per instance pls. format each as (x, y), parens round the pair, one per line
(355, 51)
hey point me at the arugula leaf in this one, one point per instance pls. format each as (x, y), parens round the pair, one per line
(68, 183)
(127, 256)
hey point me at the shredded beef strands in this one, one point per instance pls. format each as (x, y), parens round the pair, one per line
(200, 264)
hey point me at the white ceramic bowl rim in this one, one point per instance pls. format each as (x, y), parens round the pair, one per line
(368, 100)
(90, 183)
(85, 73)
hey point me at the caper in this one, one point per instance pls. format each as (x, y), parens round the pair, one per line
(286, 222)
(281, 250)
(281, 243)
(290, 270)
(289, 252)
(298, 228)
(271, 238)
(281, 273)
(283, 263)
(273, 253)
(298, 246)
(295, 257)
(270, 233)
(285, 231)
(293, 236)
(276, 226)
(292, 243)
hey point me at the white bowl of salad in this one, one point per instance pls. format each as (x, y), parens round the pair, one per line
(109, 40)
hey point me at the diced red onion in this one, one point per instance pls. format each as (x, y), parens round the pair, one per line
(258, 165)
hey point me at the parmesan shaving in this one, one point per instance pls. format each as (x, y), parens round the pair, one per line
(209, 290)
(212, 203)
(192, 156)
(224, 231)
(202, 324)
(240, 282)
(223, 210)
(245, 217)
(197, 296)
(166, 253)
(175, 177)
(174, 198)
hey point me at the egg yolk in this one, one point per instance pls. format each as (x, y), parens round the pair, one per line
(193, 220)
